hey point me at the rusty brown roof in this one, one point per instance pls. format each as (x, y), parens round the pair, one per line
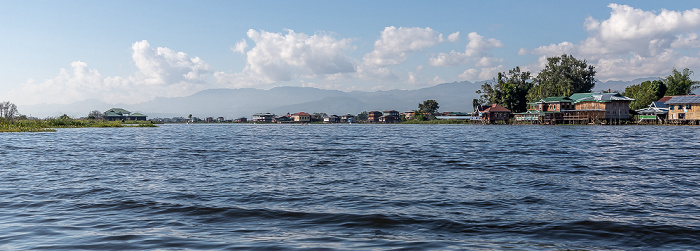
(496, 108)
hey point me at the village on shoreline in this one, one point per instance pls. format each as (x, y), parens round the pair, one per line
(597, 108)
(561, 93)
(580, 108)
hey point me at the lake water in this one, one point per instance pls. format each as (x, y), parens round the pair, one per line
(352, 187)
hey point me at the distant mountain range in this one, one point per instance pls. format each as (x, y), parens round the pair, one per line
(235, 103)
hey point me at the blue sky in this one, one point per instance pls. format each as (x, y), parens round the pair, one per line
(134, 51)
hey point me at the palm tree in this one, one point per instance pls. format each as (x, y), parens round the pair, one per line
(679, 83)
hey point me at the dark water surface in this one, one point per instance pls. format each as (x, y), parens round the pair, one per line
(354, 187)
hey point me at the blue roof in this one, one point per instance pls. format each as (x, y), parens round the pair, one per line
(684, 100)
(659, 104)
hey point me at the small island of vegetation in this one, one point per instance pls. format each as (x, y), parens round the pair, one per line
(12, 121)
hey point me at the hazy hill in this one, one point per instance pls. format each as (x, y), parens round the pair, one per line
(235, 103)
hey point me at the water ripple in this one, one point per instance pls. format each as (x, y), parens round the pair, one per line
(288, 187)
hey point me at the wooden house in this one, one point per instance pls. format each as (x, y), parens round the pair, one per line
(548, 110)
(590, 107)
(331, 119)
(263, 117)
(348, 118)
(115, 114)
(656, 112)
(374, 116)
(494, 113)
(684, 109)
(301, 117)
(390, 116)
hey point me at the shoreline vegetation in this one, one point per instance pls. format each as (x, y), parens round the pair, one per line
(50, 125)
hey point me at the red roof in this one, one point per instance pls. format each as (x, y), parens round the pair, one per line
(496, 108)
(665, 98)
(301, 114)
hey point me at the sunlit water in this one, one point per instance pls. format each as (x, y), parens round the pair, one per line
(352, 187)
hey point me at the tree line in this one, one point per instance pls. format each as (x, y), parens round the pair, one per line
(562, 76)
(565, 75)
(677, 83)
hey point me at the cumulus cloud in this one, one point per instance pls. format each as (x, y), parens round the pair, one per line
(395, 44)
(476, 50)
(286, 56)
(454, 37)
(469, 74)
(161, 72)
(480, 74)
(631, 39)
(240, 47)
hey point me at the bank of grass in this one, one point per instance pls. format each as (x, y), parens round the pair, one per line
(49, 125)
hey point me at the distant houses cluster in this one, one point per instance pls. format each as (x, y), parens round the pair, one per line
(672, 110)
(579, 108)
(587, 108)
(302, 117)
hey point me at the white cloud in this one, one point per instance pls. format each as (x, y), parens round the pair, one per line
(476, 50)
(686, 41)
(240, 46)
(491, 72)
(412, 78)
(469, 75)
(632, 39)
(393, 46)
(438, 80)
(161, 72)
(477, 44)
(163, 66)
(552, 49)
(283, 57)
(454, 37)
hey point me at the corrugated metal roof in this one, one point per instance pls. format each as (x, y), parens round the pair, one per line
(694, 99)
(555, 99)
(665, 98)
(496, 108)
(119, 111)
(598, 97)
(659, 104)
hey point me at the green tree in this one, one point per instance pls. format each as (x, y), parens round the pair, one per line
(486, 95)
(429, 106)
(563, 76)
(95, 115)
(427, 110)
(679, 83)
(510, 90)
(644, 93)
(363, 116)
(8, 110)
(475, 103)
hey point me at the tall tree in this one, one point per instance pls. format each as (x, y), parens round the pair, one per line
(429, 106)
(679, 83)
(563, 76)
(8, 110)
(644, 93)
(363, 116)
(486, 94)
(95, 115)
(510, 90)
